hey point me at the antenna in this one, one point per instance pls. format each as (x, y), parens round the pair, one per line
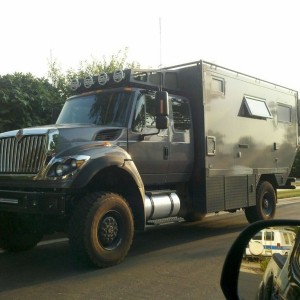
(160, 56)
(160, 46)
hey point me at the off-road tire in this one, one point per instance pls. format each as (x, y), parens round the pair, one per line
(101, 229)
(265, 204)
(18, 233)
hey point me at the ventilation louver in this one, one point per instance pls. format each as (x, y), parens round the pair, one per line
(108, 135)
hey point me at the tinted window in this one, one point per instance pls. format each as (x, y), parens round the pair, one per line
(110, 108)
(181, 114)
(144, 116)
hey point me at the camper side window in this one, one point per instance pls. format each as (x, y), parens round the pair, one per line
(284, 113)
(255, 108)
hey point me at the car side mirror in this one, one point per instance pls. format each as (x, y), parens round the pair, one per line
(162, 110)
(161, 104)
(264, 262)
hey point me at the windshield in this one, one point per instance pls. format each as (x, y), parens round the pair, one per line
(107, 108)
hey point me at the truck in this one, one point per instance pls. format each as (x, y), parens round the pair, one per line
(146, 146)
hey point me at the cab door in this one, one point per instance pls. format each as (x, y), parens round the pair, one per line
(148, 148)
(181, 153)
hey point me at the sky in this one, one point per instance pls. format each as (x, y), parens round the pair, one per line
(256, 37)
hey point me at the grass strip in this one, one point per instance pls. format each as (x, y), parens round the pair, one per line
(288, 193)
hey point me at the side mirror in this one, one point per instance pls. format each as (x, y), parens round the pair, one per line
(264, 262)
(162, 110)
(162, 122)
(162, 104)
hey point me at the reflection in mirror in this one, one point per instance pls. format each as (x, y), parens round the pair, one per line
(270, 268)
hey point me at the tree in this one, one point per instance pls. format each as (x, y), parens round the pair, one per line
(29, 101)
(26, 101)
(91, 67)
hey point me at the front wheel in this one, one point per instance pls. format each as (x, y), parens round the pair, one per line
(265, 204)
(101, 229)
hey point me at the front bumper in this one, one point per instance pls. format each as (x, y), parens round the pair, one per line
(34, 202)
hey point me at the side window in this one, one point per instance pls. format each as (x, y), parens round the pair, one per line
(181, 114)
(144, 116)
(286, 238)
(255, 108)
(269, 236)
(150, 111)
(257, 236)
(284, 113)
(292, 238)
(218, 85)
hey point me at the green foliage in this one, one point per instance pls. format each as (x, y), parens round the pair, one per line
(264, 263)
(26, 101)
(92, 67)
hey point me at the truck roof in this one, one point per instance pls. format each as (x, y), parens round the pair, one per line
(168, 78)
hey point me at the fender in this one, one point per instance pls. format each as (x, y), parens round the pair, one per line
(117, 157)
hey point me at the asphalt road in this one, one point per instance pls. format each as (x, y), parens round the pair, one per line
(178, 261)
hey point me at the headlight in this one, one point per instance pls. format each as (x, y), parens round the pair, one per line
(59, 169)
(66, 165)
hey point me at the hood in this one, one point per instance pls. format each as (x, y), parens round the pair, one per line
(72, 134)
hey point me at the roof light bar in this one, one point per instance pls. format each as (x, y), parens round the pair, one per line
(99, 81)
(118, 76)
(103, 78)
(74, 84)
(88, 82)
(141, 78)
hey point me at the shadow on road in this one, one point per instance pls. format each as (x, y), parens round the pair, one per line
(53, 262)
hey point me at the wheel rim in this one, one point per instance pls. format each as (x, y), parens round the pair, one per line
(110, 230)
(267, 204)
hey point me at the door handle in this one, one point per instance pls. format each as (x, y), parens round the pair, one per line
(166, 153)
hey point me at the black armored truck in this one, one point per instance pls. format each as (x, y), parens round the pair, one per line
(139, 146)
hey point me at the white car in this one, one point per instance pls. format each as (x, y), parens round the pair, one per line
(270, 241)
(281, 278)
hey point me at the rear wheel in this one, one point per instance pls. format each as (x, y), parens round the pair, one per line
(101, 229)
(265, 204)
(18, 233)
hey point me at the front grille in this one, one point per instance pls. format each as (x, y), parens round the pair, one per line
(25, 156)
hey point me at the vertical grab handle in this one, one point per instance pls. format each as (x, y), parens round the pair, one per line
(166, 153)
(211, 145)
